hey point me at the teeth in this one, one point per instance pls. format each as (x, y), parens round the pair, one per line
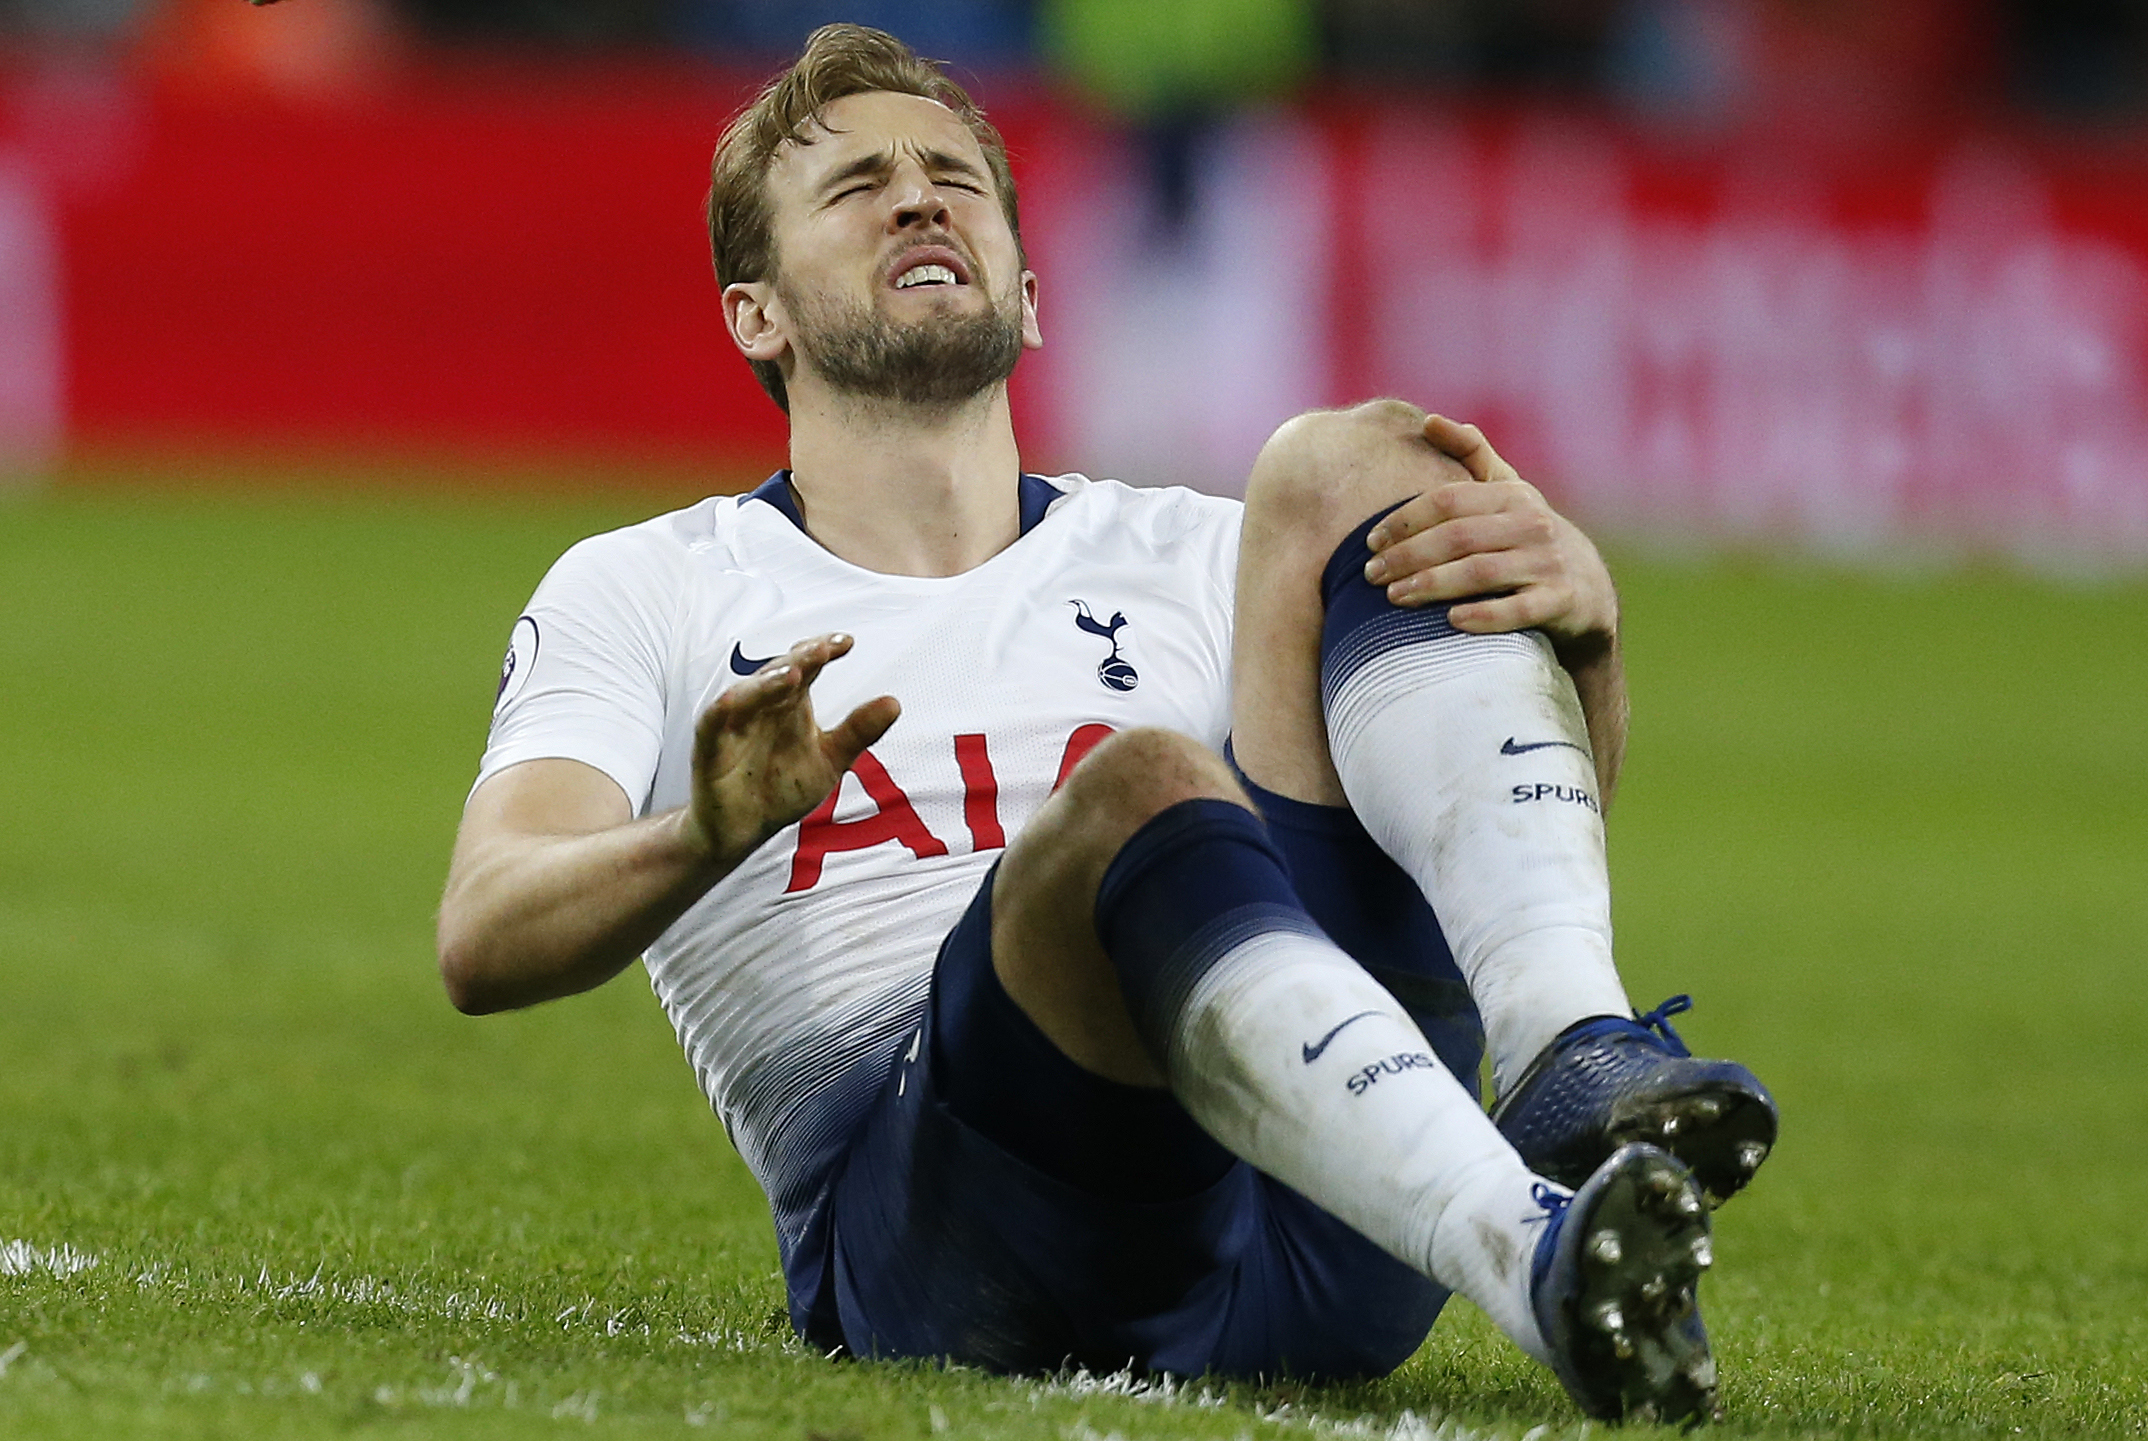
(1670, 1126)
(1604, 1247)
(1608, 1317)
(1622, 1346)
(1751, 1154)
(1703, 1252)
(1707, 1108)
(1688, 1204)
(926, 275)
(1654, 1289)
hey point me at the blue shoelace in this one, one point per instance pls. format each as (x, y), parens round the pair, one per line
(1551, 1198)
(1659, 1021)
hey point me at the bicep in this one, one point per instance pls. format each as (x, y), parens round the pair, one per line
(535, 800)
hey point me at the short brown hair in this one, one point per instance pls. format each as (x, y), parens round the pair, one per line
(838, 60)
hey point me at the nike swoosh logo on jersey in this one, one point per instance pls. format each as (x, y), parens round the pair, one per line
(743, 664)
(1312, 1052)
(1515, 748)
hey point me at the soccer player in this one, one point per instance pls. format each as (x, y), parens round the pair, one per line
(1057, 1029)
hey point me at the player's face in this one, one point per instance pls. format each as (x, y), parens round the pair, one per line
(897, 275)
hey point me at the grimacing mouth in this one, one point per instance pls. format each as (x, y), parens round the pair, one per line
(929, 264)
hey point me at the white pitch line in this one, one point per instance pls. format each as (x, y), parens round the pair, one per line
(1167, 1390)
(1161, 1390)
(22, 1258)
(417, 1299)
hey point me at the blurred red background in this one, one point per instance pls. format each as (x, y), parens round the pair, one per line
(1856, 305)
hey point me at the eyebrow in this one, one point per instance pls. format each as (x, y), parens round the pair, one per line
(880, 162)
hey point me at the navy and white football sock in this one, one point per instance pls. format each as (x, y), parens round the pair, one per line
(1287, 1052)
(1373, 910)
(1467, 758)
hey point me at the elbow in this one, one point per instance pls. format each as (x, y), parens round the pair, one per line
(462, 974)
(466, 996)
(464, 992)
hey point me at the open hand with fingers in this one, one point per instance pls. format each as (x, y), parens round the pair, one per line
(761, 761)
(1494, 535)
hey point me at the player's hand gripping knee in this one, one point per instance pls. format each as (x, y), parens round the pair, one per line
(1494, 535)
(760, 759)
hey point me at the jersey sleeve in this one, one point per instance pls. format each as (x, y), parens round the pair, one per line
(588, 669)
(1216, 544)
(1200, 533)
(1213, 525)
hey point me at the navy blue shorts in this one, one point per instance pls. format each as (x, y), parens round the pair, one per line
(1003, 1208)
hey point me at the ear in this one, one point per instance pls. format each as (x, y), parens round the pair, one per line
(1032, 334)
(754, 316)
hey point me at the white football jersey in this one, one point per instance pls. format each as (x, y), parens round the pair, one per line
(795, 981)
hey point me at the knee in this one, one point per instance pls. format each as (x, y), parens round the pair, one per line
(1136, 774)
(1369, 423)
(1322, 474)
(1310, 458)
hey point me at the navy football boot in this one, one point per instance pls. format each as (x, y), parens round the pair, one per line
(1608, 1081)
(1613, 1290)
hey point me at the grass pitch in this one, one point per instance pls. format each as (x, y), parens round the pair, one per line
(257, 1179)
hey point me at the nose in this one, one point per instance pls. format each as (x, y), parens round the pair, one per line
(916, 201)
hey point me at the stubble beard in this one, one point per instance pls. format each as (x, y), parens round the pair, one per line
(938, 362)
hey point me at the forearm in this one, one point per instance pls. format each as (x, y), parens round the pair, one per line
(1599, 676)
(529, 918)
